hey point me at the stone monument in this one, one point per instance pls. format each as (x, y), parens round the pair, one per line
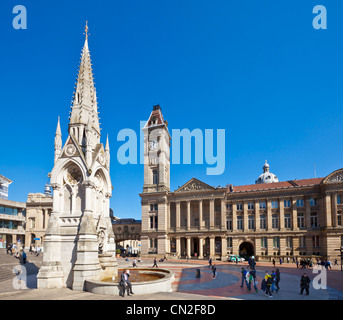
(79, 243)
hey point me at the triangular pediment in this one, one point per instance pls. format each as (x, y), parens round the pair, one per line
(194, 185)
(72, 149)
(334, 177)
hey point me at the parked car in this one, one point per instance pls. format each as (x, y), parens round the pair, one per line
(234, 257)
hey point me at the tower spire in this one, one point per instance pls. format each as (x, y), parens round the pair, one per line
(84, 102)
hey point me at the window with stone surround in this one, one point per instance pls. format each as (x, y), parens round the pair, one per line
(300, 203)
(275, 221)
(289, 242)
(264, 242)
(301, 221)
(251, 206)
(288, 223)
(276, 242)
(315, 241)
(262, 205)
(239, 206)
(339, 199)
(302, 242)
(229, 224)
(287, 203)
(314, 219)
(275, 204)
(239, 222)
(313, 202)
(339, 218)
(263, 222)
(229, 242)
(251, 222)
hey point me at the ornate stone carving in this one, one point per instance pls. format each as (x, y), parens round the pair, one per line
(195, 185)
(338, 177)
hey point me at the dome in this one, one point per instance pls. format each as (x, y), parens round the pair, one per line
(266, 176)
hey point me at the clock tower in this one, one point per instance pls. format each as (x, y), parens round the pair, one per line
(156, 153)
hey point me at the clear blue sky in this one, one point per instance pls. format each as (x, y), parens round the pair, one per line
(257, 69)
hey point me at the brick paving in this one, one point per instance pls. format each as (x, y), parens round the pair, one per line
(186, 286)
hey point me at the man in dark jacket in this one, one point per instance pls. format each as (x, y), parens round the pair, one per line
(305, 284)
(125, 283)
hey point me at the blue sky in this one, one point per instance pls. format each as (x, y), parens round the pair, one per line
(259, 70)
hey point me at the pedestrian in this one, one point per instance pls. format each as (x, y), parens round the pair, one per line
(297, 262)
(273, 286)
(9, 249)
(210, 262)
(24, 257)
(280, 261)
(134, 263)
(214, 271)
(274, 263)
(305, 284)
(252, 280)
(155, 263)
(277, 279)
(125, 283)
(243, 273)
(269, 282)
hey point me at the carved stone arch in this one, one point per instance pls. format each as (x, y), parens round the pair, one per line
(334, 177)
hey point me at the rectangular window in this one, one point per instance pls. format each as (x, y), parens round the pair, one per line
(229, 242)
(315, 241)
(313, 202)
(251, 206)
(302, 243)
(287, 203)
(155, 177)
(239, 206)
(264, 242)
(239, 223)
(229, 224)
(288, 221)
(339, 199)
(314, 220)
(289, 242)
(301, 220)
(276, 242)
(300, 203)
(251, 222)
(339, 218)
(275, 221)
(262, 205)
(275, 204)
(263, 223)
(151, 222)
(156, 222)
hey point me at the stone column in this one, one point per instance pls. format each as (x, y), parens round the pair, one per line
(188, 214)
(245, 217)
(223, 215)
(178, 246)
(201, 248)
(269, 215)
(327, 210)
(334, 209)
(188, 247)
(270, 247)
(168, 216)
(224, 248)
(282, 214)
(212, 249)
(211, 214)
(257, 216)
(294, 214)
(178, 217)
(234, 217)
(200, 215)
(307, 213)
(282, 246)
(257, 247)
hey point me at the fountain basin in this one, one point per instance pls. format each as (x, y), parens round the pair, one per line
(143, 280)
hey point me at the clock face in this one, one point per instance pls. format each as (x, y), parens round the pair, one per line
(153, 145)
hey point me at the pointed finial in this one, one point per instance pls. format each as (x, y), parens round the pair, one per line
(86, 30)
(58, 128)
(107, 147)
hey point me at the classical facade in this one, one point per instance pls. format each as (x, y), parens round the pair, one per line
(79, 242)
(266, 219)
(38, 212)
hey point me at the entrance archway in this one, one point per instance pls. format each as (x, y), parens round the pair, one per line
(246, 250)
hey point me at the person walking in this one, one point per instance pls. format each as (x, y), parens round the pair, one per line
(214, 272)
(134, 263)
(24, 257)
(210, 262)
(274, 263)
(269, 282)
(305, 284)
(243, 272)
(252, 280)
(125, 283)
(277, 280)
(155, 263)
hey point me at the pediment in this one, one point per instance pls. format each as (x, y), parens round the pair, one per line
(194, 185)
(334, 177)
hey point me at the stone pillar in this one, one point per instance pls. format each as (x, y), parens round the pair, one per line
(294, 215)
(201, 248)
(178, 246)
(188, 214)
(257, 217)
(327, 210)
(211, 214)
(178, 217)
(282, 214)
(257, 245)
(200, 215)
(245, 217)
(334, 209)
(270, 247)
(224, 248)
(212, 249)
(296, 246)
(188, 247)
(234, 217)
(168, 216)
(307, 213)
(269, 215)
(223, 215)
(235, 246)
(282, 246)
